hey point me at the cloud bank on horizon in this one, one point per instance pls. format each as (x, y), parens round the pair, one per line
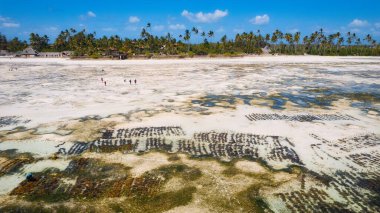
(224, 17)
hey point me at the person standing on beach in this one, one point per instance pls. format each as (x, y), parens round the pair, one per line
(105, 83)
(101, 79)
(135, 81)
(130, 81)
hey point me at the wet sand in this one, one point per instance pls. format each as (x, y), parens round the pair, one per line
(263, 115)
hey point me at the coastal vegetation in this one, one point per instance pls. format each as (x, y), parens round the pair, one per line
(149, 45)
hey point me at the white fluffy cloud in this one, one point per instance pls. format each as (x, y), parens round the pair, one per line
(10, 25)
(177, 27)
(377, 25)
(260, 20)
(133, 19)
(204, 17)
(358, 23)
(91, 14)
(88, 15)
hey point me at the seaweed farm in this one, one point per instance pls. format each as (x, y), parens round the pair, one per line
(265, 134)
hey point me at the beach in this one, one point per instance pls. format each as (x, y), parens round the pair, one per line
(305, 128)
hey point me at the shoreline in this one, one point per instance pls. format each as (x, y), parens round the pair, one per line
(217, 60)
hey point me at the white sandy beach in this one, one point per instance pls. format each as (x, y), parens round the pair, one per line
(207, 60)
(47, 91)
(199, 95)
(72, 88)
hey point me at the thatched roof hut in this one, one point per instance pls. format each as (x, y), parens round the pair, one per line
(29, 51)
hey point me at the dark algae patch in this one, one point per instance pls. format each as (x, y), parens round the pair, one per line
(90, 180)
(251, 200)
(13, 161)
(159, 203)
(39, 208)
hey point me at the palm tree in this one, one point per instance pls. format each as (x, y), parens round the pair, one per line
(211, 34)
(321, 41)
(187, 38)
(249, 38)
(374, 43)
(274, 40)
(289, 39)
(354, 36)
(169, 43)
(337, 36)
(267, 38)
(323, 45)
(224, 41)
(195, 31)
(350, 40)
(259, 39)
(297, 37)
(279, 36)
(331, 39)
(203, 34)
(148, 27)
(306, 43)
(368, 38)
(358, 43)
(317, 43)
(143, 33)
(373, 46)
(238, 41)
(339, 43)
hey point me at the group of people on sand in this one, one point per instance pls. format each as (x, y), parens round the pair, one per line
(125, 80)
(130, 81)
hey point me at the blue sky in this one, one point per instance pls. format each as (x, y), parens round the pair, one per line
(126, 18)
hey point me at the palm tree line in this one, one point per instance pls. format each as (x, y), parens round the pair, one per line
(87, 44)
